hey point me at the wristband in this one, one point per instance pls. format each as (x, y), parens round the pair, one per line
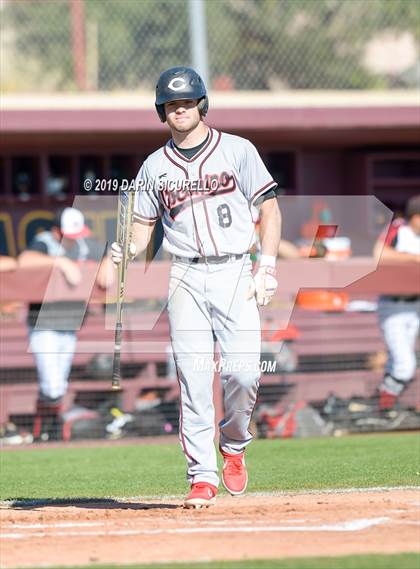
(268, 261)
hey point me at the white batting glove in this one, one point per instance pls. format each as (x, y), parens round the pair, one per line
(116, 253)
(263, 285)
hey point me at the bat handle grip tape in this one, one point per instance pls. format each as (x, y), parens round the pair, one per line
(116, 365)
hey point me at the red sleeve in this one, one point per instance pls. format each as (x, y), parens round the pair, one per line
(389, 236)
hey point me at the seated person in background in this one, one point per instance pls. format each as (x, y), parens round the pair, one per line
(53, 343)
(399, 314)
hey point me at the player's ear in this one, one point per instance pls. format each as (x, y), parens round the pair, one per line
(203, 106)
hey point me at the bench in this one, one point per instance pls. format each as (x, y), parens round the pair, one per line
(18, 379)
(321, 336)
(334, 337)
(316, 387)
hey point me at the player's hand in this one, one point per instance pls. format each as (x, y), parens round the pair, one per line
(70, 270)
(117, 255)
(263, 285)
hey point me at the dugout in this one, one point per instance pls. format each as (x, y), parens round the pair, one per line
(314, 143)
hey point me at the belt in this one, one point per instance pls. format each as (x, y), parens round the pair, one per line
(212, 259)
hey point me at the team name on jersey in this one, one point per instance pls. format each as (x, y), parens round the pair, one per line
(177, 194)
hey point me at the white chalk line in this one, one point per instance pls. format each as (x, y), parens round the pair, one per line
(349, 526)
(29, 526)
(54, 525)
(5, 504)
(333, 491)
(277, 494)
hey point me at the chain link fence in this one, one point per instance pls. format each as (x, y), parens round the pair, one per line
(110, 45)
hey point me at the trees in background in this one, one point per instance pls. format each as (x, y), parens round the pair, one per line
(252, 44)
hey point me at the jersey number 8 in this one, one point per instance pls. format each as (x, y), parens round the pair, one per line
(225, 217)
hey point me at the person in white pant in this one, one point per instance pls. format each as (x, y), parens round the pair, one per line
(209, 188)
(399, 314)
(52, 338)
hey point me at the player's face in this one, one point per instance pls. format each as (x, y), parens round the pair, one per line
(182, 116)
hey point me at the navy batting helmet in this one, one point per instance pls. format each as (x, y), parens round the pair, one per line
(177, 84)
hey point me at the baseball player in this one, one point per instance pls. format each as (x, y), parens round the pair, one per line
(52, 325)
(209, 188)
(399, 315)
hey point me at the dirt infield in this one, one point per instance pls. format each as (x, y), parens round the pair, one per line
(288, 525)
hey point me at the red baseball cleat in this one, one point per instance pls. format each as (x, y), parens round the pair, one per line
(387, 400)
(202, 495)
(235, 476)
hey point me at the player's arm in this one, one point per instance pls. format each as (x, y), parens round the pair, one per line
(264, 284)
(7, 263)
(386, 253)
(32, 258)
(384, 248)
(105, 275)
(146, 211)
(260, 189)
(141, 236)
(270, 230)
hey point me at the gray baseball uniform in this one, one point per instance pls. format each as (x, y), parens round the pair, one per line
(207, 206)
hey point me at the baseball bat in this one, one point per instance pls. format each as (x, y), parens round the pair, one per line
(124, 235)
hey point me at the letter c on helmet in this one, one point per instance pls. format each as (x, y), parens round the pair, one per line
(177, 84)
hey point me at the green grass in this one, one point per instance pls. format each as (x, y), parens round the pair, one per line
(159, 470)
(402, 561)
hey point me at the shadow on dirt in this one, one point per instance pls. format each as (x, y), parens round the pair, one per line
(91, 503)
